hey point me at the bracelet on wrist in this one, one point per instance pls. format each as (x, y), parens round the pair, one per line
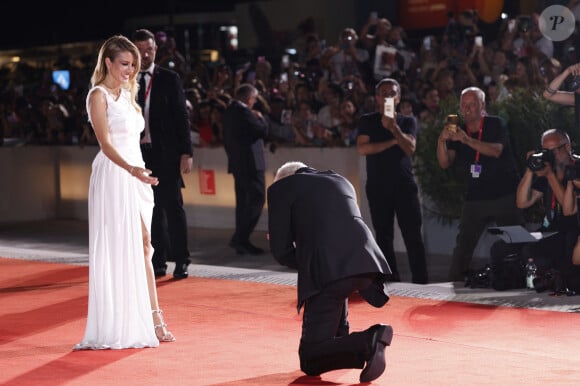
(550, 90)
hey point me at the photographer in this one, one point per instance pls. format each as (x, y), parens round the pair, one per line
(388, 143)
(545, 180)
(482, 150)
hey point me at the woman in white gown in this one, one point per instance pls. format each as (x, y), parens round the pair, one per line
(123, 309)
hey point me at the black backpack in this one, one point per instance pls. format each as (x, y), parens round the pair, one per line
(508, 273)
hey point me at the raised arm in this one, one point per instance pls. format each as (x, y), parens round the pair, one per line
(552, 92)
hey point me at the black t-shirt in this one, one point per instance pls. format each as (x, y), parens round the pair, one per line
(392, 165)
(554, 219)
(499, 176)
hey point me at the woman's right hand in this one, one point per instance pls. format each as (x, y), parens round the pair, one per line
(445, 134)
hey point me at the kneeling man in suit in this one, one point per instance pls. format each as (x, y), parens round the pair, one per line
(315, 226)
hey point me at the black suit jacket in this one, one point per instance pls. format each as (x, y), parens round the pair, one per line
(168, 123)
(244, 135)
(315, 226)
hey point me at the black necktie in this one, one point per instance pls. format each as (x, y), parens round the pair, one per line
(141, 93)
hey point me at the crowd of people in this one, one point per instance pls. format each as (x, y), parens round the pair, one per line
(315, 96)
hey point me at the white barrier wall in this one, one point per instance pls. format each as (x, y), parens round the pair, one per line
(218, 209)
(52, 182)
(28, 183)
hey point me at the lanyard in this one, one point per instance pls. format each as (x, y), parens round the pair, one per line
(553, 210)
(479, 139)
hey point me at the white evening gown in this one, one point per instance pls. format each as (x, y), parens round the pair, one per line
(119, 312)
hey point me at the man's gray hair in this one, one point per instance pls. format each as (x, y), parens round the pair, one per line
(288, 169)
(477, 91)
(564, 137)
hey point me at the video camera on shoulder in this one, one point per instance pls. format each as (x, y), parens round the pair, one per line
(537, 161)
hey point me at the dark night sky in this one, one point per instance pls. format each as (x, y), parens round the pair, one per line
(46, 22)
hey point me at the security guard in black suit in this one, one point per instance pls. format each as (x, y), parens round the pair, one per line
(167, 150)
(243, 136)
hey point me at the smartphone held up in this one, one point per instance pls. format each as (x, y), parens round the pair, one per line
(452, 121)
(389, 109)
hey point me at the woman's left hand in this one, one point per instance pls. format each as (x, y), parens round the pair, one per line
(144, 175)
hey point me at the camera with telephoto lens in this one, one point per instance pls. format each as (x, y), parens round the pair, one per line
(536, 161)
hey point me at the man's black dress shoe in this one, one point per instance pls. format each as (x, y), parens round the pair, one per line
(246, 248)
(159, 272)
(381, 336)
(180, 271)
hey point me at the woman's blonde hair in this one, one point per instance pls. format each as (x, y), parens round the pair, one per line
(111, 48)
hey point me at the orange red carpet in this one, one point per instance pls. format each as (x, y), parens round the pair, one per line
(241, 333)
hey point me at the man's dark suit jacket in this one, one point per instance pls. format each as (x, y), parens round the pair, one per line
(168, 123)
(244, 135)
(315, 226)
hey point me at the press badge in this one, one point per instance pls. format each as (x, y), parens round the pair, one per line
(546, 222)
(475, 170)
